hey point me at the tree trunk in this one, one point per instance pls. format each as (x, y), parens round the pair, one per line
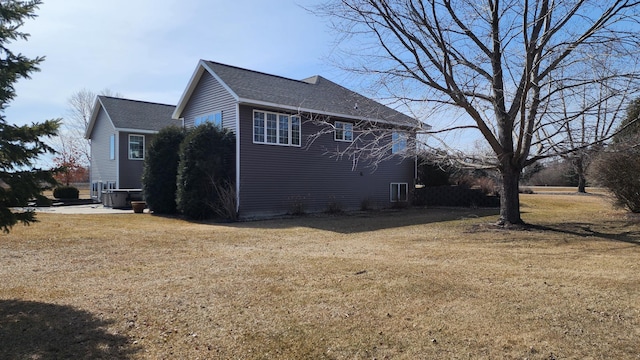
(582, 182)
(510, 197)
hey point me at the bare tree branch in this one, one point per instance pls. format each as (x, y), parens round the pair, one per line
(520, 70)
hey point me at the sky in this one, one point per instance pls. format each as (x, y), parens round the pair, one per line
(148, 49)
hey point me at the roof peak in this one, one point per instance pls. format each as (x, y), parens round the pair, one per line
(313, 79)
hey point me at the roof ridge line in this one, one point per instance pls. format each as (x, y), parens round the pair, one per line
(260, 72)
(134, 100)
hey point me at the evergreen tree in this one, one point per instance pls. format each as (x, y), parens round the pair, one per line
(20, 146)
(161, 170)
(630, 126)
(207, 162)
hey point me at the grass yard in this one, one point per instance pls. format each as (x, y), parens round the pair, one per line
(411, 284)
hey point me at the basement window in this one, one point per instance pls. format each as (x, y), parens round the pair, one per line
(399, 192)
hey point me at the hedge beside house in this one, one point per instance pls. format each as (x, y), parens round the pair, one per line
(161, 170)
(453, 196)
(207, 163)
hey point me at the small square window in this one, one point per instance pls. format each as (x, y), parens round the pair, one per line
(399, 192)
(343, 131)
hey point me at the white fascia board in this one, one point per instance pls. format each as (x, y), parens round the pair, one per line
(94, 115)
(319, 112)
(218, 79)
(136, 131)
(191, 87)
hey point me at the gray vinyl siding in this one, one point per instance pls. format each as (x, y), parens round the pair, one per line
(208, 97)
(103, 169)
(273, 178)
(131, 170)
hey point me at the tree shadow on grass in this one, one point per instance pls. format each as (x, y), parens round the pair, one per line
(611, 233)
(35, 330)
(364, 221)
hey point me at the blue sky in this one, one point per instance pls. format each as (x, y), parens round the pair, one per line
(148, 49)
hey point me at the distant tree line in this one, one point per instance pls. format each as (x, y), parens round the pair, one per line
(612, 163)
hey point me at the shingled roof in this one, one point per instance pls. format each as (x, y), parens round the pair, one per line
(126, 114)
(315, 94)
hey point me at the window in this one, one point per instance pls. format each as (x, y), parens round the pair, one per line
(399, 142)
(112, 147)
(344, 131)
(399, 192)
(283, 129)
(136, 147)
(95, 189)
(215, 119)
(295, 130)
(274, 128)
(258, 127)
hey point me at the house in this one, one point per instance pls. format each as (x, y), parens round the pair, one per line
(277, 170)
(119, 130)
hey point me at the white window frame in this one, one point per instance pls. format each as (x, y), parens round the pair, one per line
(269, 137)
(129, 152)
(112, 147)
(215, 118)
(398, 142)
(395, 195)
(341, 130)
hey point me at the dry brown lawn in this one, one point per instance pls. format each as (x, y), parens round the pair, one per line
(411, 284)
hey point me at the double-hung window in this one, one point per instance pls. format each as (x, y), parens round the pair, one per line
(214, 118)
(272, 128)
(276, 128)
(283, 129)
(398, 142)
(399, 192)
(136, 147)
(344, 131)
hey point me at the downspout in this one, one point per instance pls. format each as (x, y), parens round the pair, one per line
(415, 161)
(117, 159)
(237, 157)
(91, 195)
(415, 170)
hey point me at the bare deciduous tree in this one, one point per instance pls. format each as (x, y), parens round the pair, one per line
(589, 118)
(70, 159)
(508, 65)
(80, 108)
